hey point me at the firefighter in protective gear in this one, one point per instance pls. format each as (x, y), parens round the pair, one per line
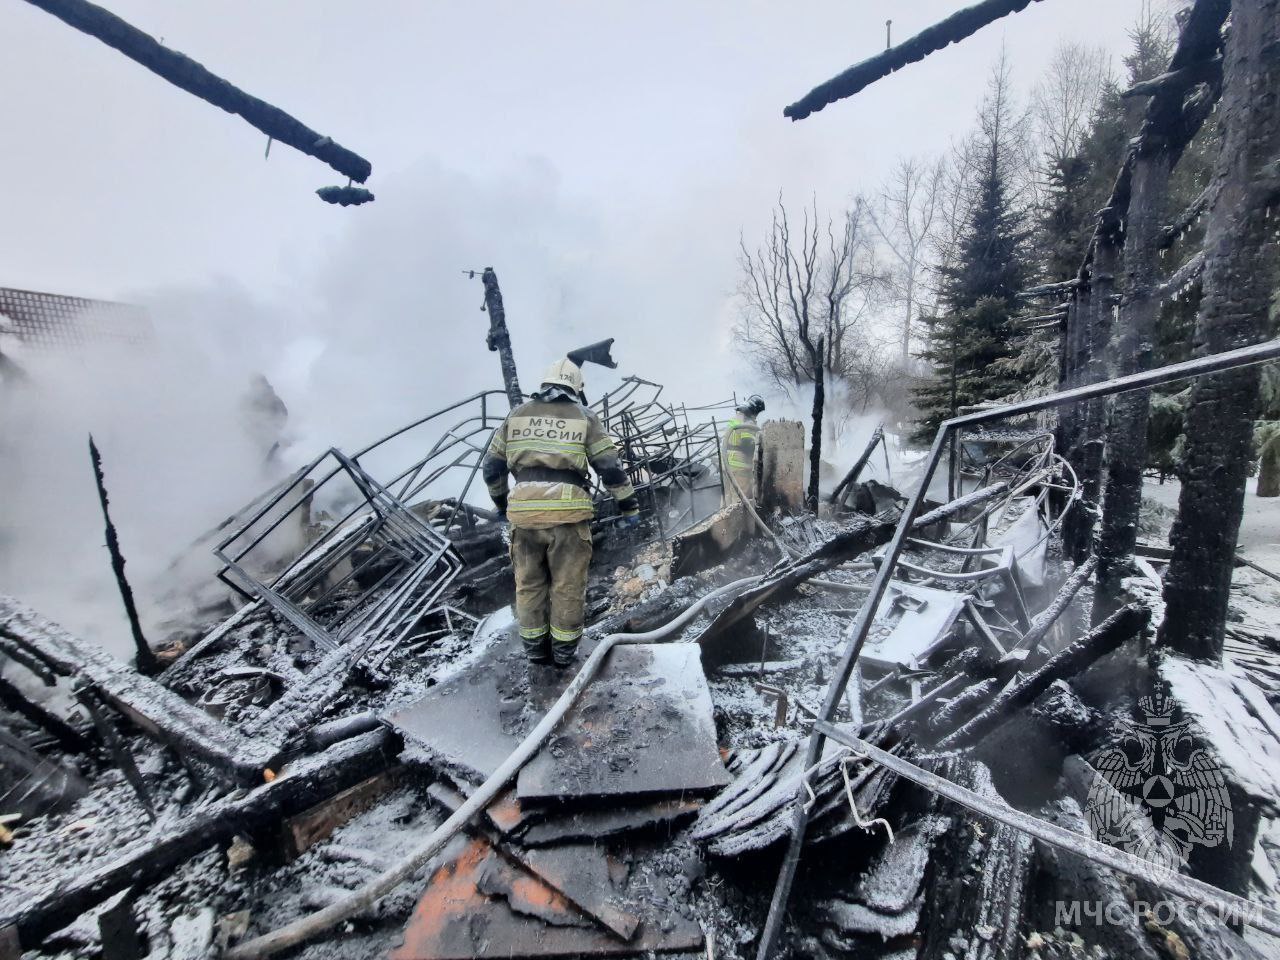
(738, 450)
(548, 443)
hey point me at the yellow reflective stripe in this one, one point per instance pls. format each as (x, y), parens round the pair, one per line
(622, 492)
(600, 446)
(533, 633)
(546, 445)
(517, 506)
(565, 636)
(738, 462)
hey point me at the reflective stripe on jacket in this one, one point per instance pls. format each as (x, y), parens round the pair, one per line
(740, 444)
(552, 436)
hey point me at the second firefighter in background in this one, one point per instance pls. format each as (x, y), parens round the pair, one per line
(738, 450)
(549, 443)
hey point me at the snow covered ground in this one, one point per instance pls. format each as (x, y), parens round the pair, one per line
(1260, 530)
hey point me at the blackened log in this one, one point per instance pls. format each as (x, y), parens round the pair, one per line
(1043, 621)
(314, 779)
(1124, 624)
(963, 706)
(1240, 277)
(68, 737)
(974, 898)
(1167, 127)
(1127, 436)
(953, 29)
(499, 338)
(1078, 878)
(855, 471)
(1176, 80)
(1096, 337)
(1168, 123)
(1068, 375)
(186, 74)
(1189, 273)
(1182, 223)
(144, 657)
(1050, 289)
(155, 710)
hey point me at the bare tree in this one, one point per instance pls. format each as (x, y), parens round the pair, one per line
(1064, 101)
(906, 216)
(804, 299)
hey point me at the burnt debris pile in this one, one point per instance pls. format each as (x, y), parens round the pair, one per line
(903, 707)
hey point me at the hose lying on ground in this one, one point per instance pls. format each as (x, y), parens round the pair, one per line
(309, 926)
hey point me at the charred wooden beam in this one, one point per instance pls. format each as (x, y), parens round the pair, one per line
(1177, 80)
(68, 737)
(144, 656)
(499, 339)
(964, 23)
(985, 922)
(1190, 272)
(313, 780)
(1046, 618)
(154, 709)
(1240, 278)
(1050, 289)
(1123, 625)
(850, 478)
(1168, 126)
(188, 75)
(1095, 366)
(1183, 221)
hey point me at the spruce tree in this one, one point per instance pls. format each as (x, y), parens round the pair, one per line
(971, 345)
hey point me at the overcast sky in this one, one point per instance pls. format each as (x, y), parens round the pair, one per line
(659, 125)
(602, 156)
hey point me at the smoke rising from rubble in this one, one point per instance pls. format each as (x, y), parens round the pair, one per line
(391, 329)
(846, 432)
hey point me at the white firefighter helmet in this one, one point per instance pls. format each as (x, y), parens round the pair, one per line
(564, 373)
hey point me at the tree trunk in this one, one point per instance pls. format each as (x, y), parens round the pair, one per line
(1269, 469)
(1127, 437)
(1239, 278)
(911, 309)
(815, 443)
(1240, 261)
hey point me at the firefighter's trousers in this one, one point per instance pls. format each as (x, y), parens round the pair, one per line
(746, 480)
(551, 588)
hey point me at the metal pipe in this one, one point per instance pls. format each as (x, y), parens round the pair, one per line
(306, 927)
(1158, 875)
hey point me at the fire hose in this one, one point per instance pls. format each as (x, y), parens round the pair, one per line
(309, 926)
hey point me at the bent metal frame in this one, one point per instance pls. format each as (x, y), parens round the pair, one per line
(856, 634)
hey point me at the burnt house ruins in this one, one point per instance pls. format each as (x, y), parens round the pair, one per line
(992, 712)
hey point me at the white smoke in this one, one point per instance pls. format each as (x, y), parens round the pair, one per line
(387, 329)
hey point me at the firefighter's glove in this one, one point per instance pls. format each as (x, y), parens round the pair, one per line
(500, 505)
